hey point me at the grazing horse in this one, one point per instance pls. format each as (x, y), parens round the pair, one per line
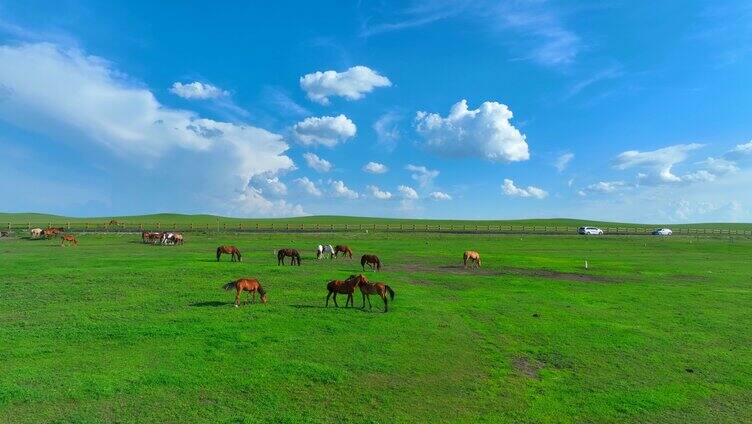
(70, 239)
(178, 238)
(343, 287)
(230, 250)
(251, 285)
(323, 249)
(372, 261)
(36, 232)
(471, 256)
(381, 289)
(292, 253)
(341, 248)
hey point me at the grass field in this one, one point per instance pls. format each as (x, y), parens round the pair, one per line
(657, 330)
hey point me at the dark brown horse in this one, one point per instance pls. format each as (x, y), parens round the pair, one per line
(292, 253)
(70, 239)
(372, 261)
(230, 250)
(368, 288)
(343, 287)
(341, 248)
(251, 285)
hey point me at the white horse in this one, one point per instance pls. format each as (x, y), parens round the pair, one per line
(168, 238)
(321, 250)
(35, 232)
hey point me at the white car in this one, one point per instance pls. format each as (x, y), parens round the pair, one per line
(590, 231)
(662, 232)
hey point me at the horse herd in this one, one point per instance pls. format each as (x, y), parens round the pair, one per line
(52, 232)
(166, 238)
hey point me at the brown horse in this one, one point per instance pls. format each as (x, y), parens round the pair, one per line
(372, 261)
(343, 287)
(381, 289)
(292, 253)
(472, 257)
(230, 250)
(70, 239)
(51, 231)
(341, 248)
(151, 237)
(251, 285)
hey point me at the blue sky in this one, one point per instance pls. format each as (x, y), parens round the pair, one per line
(606, 110)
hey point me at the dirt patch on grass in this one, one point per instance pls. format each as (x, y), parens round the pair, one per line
(527, 272)
(530, 368)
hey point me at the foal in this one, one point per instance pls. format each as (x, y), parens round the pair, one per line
(367, 289)
(230, 250)
(70, 239)
(472, 257)
(251, 285)
(292, 253)
(372, 261)
(343, 287)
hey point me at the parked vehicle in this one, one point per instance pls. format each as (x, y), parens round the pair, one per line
(590, 231)
(662, 232)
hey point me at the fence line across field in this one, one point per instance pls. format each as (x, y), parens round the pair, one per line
(416, 228)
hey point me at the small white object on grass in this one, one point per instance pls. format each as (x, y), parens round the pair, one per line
(586, 266)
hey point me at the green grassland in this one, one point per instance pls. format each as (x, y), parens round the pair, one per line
(656, 330)
(169, 219)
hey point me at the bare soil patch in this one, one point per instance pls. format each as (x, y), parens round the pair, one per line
(528, 367)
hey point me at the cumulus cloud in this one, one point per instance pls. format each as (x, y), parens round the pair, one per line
(269, 185)
(438, 195)
(80, 99)
(252, 199)
(316, 163)
(339, 189)
(407, 192)
(308, 186)
(563, 161)
(197, 90)
(512, 190)
(485, 132)
(375, 168)
(378, 193)
(351, 84)
(422, 175)
(656, 164)
(741, 150)
(326, 130)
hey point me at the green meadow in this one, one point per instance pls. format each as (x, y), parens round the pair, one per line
(655, 330)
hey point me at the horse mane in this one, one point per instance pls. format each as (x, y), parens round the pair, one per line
(261, 290)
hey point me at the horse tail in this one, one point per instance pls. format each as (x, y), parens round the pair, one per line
(378, 264)
(219, 252)
(391, 292)
(229, 286)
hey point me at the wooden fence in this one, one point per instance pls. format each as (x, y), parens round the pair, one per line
(314, 228)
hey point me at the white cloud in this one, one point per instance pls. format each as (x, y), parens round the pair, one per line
(265, 184)
(422, 175)
(484, 132)
(197, 90)
(252, 199)
(657, 164)
(80, 99)
(375, 168)
(308, 186)
(316, 163)
(741, 150)
(511, 190)
(720, 166)
(378, 193)
(326, 130)
(438, 195)
(563, 161)
(352, 84)
(407, 193)
(387, 131)
(604, 187)
(339, 189)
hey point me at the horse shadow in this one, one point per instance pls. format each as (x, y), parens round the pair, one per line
(306, 306)
(211, 304)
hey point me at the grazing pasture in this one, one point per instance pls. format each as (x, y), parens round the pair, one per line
(656, 330)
